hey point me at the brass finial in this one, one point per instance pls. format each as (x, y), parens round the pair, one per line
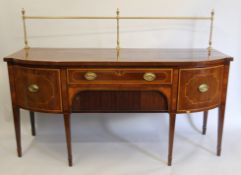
(117, 12)
(118, 35)
(211, 33)
(23, 12)
(212, 13)
(24, 30)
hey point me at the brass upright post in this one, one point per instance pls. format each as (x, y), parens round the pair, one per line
(211, 33)
(25, 30)
(118, 35)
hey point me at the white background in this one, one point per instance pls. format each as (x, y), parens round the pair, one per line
(122, 143)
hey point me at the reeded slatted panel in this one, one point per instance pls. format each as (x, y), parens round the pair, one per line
(119, 101)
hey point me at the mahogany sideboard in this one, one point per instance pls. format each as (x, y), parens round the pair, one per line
(142, 80)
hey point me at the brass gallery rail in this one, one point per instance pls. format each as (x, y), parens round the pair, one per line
(117, 18)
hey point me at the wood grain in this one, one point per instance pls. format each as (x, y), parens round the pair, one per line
(107, 57)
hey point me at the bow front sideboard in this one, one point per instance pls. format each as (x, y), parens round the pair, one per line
(55, 80)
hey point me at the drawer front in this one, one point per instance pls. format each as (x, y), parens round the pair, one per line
(199, 88)
(38, 88)
(120, 76)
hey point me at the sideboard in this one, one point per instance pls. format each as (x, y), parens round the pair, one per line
(82, 80)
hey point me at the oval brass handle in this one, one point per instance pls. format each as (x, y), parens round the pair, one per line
(33, 88)
(90, 76)
(149, 76)
(203, 88)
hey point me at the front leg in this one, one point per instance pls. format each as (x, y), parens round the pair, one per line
(221, 113)
(172, 121)
(68, 137)
(17, 126)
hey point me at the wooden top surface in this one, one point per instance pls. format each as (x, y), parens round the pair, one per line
(94, 56)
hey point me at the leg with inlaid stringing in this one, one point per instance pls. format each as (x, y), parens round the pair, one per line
(68, 137)
(221, 112)
(172, 121)
(17, 126)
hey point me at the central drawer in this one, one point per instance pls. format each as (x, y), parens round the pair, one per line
(120, 76)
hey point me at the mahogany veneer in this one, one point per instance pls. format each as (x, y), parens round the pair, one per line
(141, 80)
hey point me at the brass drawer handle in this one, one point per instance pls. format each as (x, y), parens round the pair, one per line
(203, 88)
(33, 88)
(149, 76)
(90, 76)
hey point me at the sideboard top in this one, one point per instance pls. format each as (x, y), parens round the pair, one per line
(106, 56)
